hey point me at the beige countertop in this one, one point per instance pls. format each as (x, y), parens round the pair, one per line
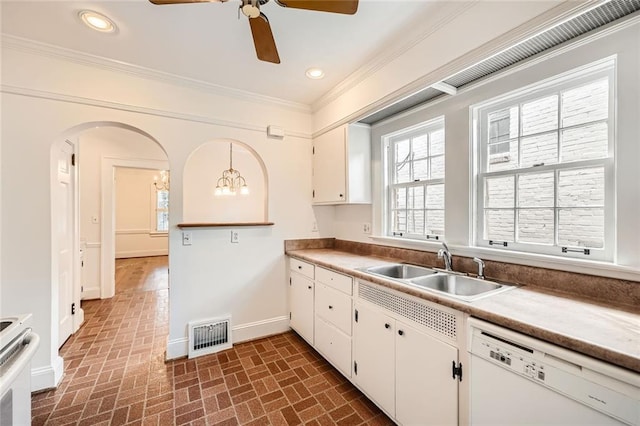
(603, 331)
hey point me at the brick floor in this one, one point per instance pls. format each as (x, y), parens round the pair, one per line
(115, 373)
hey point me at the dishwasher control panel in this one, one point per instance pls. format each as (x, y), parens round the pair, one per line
(512, 357)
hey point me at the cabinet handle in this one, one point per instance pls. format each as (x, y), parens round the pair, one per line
(299, 267)
(400, 332)
(387, 325)
(330, 307)
(309, 287)
(341, 195)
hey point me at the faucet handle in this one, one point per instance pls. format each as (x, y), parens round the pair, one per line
(480, 263)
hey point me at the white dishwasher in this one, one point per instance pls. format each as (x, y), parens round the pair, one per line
(518, 380)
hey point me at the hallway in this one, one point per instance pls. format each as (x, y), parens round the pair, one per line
(115, 372)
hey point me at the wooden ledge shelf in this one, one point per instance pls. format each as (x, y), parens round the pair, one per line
(223, 224)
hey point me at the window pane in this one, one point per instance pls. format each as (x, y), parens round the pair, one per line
(581, 187)
(403, 161)
(535, 226)
(420, 170)
(540, 115)
(162, 199)
(399, 198)
(499, 192)
(399, 221)
(503, 124)
(435, 196)
(437, 142)
(585, 103)
(416, 222)
(503, 156)
(435, 222)
(536, 190)
(162, 219)
(539, 149)
(585, 142)
(421, 146)
(498, 225)
(581, 227)
(416, 197)
(437, 167)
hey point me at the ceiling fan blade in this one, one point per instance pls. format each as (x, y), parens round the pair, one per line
(348, 7)
(184, 1)
(263, 39)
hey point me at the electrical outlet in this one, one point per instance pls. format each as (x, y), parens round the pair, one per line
(186, 238)
(366, 228)
(235, 237)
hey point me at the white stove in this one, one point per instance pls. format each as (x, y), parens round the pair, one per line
(18, 344)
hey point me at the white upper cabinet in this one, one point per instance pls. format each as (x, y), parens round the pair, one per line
(342, 165)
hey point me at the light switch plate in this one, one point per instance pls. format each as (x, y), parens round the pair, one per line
(186, 238)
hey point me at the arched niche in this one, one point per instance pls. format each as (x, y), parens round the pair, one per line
(202, 170)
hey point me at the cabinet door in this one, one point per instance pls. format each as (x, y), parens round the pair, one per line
(329, 167)
(301, 306)
(426, 393)
(373, 340)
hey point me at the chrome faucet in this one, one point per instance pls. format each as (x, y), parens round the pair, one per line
(444, 253)
(480, 263)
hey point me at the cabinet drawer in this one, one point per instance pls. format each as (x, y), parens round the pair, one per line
(334, 345)
(306, 269)
(344, 283)
(334, 307)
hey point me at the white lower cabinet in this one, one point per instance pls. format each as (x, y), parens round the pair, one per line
(407, 372)
(334, 345)
(301, 305)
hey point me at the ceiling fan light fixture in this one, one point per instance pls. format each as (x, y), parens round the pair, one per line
(97, 21)
(315, 73)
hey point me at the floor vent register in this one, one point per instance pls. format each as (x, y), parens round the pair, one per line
(209, 336)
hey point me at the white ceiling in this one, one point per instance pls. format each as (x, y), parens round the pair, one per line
(207, 42)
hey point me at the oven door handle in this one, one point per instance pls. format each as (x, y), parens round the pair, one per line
(30, 342)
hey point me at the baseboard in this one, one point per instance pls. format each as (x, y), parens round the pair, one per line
(89, 293)
(47, 377)
(141, 253)
(178, 348)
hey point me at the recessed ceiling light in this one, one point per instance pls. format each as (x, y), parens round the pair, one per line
(97, 21)
(315, 73)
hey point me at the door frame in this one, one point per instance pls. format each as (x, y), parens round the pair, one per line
(107, 230)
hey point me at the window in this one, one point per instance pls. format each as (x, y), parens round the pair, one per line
(545, 167)
(162, 210)
(415, 182)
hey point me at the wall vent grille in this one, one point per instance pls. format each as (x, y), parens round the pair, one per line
(442, 322)
(209, 336)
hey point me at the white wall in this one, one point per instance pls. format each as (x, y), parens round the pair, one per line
(135, 229)
(626, 45)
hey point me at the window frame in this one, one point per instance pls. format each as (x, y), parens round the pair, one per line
(437, 123)
(555, 85)
(155, 210)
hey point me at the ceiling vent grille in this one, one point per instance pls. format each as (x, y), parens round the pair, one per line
(209, 336)
(577, 26)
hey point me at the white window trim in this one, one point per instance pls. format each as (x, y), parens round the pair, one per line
(576, 77)
(387, 140)
(153, 219)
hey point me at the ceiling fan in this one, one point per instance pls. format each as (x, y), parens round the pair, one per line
(261, 30)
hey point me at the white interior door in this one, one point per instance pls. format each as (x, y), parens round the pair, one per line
(64, 205)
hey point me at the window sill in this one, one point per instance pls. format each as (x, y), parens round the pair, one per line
(603, 269)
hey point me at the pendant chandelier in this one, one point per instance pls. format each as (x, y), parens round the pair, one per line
(231, 181)
(163, 184)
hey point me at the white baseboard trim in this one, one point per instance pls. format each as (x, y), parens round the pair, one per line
(141, 253)
(89, 293)
(178, 348)
(47, 377)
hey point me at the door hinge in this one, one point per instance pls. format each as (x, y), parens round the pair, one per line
(81, 288)
(313, 150)
(73, 308)
(356, 315)
(313, 194)
(456, 371)
(355, 368)
(289, 280)
(73, 159)
(289, 316)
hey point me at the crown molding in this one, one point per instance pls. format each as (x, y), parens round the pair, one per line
(35, 47)
(32, 93)
(386, 53)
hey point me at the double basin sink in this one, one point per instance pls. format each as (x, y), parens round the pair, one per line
(441, 282)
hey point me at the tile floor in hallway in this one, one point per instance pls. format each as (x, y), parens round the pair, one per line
(115, 372)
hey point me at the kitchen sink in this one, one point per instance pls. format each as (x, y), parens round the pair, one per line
(459, 286)
(401, 271)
